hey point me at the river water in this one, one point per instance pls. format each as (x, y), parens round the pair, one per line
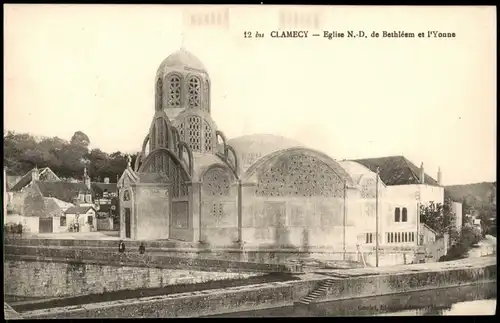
(478, 299)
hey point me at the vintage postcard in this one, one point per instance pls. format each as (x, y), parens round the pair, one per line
(249, 161)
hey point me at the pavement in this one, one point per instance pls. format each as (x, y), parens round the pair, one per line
(98, 235)
(10, 314)
(400, 269)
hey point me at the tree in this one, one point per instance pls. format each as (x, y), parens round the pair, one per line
(67, 159)
(438, 217)
(80, 139)
(470, 236)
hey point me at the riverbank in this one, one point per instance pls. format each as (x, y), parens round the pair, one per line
(440, 301)
(346, 284)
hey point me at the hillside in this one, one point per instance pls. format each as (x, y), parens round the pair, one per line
(476, 194)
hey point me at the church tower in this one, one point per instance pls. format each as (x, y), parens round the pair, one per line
(183, 93)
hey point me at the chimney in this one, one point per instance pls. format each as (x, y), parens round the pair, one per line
(86, 178)
(106, 180)
(439, 176)
(422, 174)
(35, 175)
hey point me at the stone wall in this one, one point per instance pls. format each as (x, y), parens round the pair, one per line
(405, 282)
(263, 254)
(57, 279)
(219, 207)
(264, 296)
(135, 259)
(152, 218)
(193, 304)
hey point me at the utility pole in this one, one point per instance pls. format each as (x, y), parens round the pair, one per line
(344, 221)
(376, 218)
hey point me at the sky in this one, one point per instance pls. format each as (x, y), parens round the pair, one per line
(92, 68)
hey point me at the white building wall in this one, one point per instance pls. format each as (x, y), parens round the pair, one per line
(456, 208)
(30, 223)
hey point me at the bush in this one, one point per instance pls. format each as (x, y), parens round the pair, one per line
(12, 229)
(470, 236)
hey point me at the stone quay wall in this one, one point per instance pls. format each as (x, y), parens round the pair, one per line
(264, 254)
(369, 286)
(264, 296)
(159, 260)
(46, 279)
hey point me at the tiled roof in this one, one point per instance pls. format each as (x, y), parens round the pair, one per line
(78, 209)
(52, 208)
(26, 179)
(61, 190)
(396, 170)
(12, 180)
(62, 205)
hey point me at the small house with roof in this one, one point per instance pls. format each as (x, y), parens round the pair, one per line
(85, 216)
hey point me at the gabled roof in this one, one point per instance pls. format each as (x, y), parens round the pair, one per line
(11, 181)
(79, 209)
(61, 190)
(61, 204)
(26, 179)
(396, 170)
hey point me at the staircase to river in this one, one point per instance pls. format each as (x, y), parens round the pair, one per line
(317, 292)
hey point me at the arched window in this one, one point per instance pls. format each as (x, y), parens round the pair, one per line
(174, 91)
(182, 131)
(208, 139)
(299, 175)
(194, 92)
(152, 141)
(216, 182)
(159, 94)
(194, 133)
(206, 96)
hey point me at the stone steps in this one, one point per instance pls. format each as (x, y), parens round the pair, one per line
(316, 293)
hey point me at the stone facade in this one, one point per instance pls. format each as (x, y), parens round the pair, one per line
(254, 191)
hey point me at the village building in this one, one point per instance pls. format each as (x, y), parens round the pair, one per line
(40, 198)
(83, 216)
(105, 196)
(189, 183)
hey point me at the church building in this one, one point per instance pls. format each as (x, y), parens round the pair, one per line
(190, 183)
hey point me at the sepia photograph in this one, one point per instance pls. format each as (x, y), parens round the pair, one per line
(165, 161)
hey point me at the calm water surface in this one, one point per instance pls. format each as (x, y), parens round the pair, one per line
(478, 299)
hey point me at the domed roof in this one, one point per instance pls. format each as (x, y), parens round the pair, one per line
(250, 148)
(356, 170)
(180, 59)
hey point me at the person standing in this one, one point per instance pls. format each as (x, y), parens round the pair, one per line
(142, 248)
(121, 247)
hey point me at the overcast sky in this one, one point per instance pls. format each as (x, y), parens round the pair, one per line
(92, 68)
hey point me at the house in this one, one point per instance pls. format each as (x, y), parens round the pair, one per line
(44, 175)
(85, 216)
(42, 203)
(105, 196)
